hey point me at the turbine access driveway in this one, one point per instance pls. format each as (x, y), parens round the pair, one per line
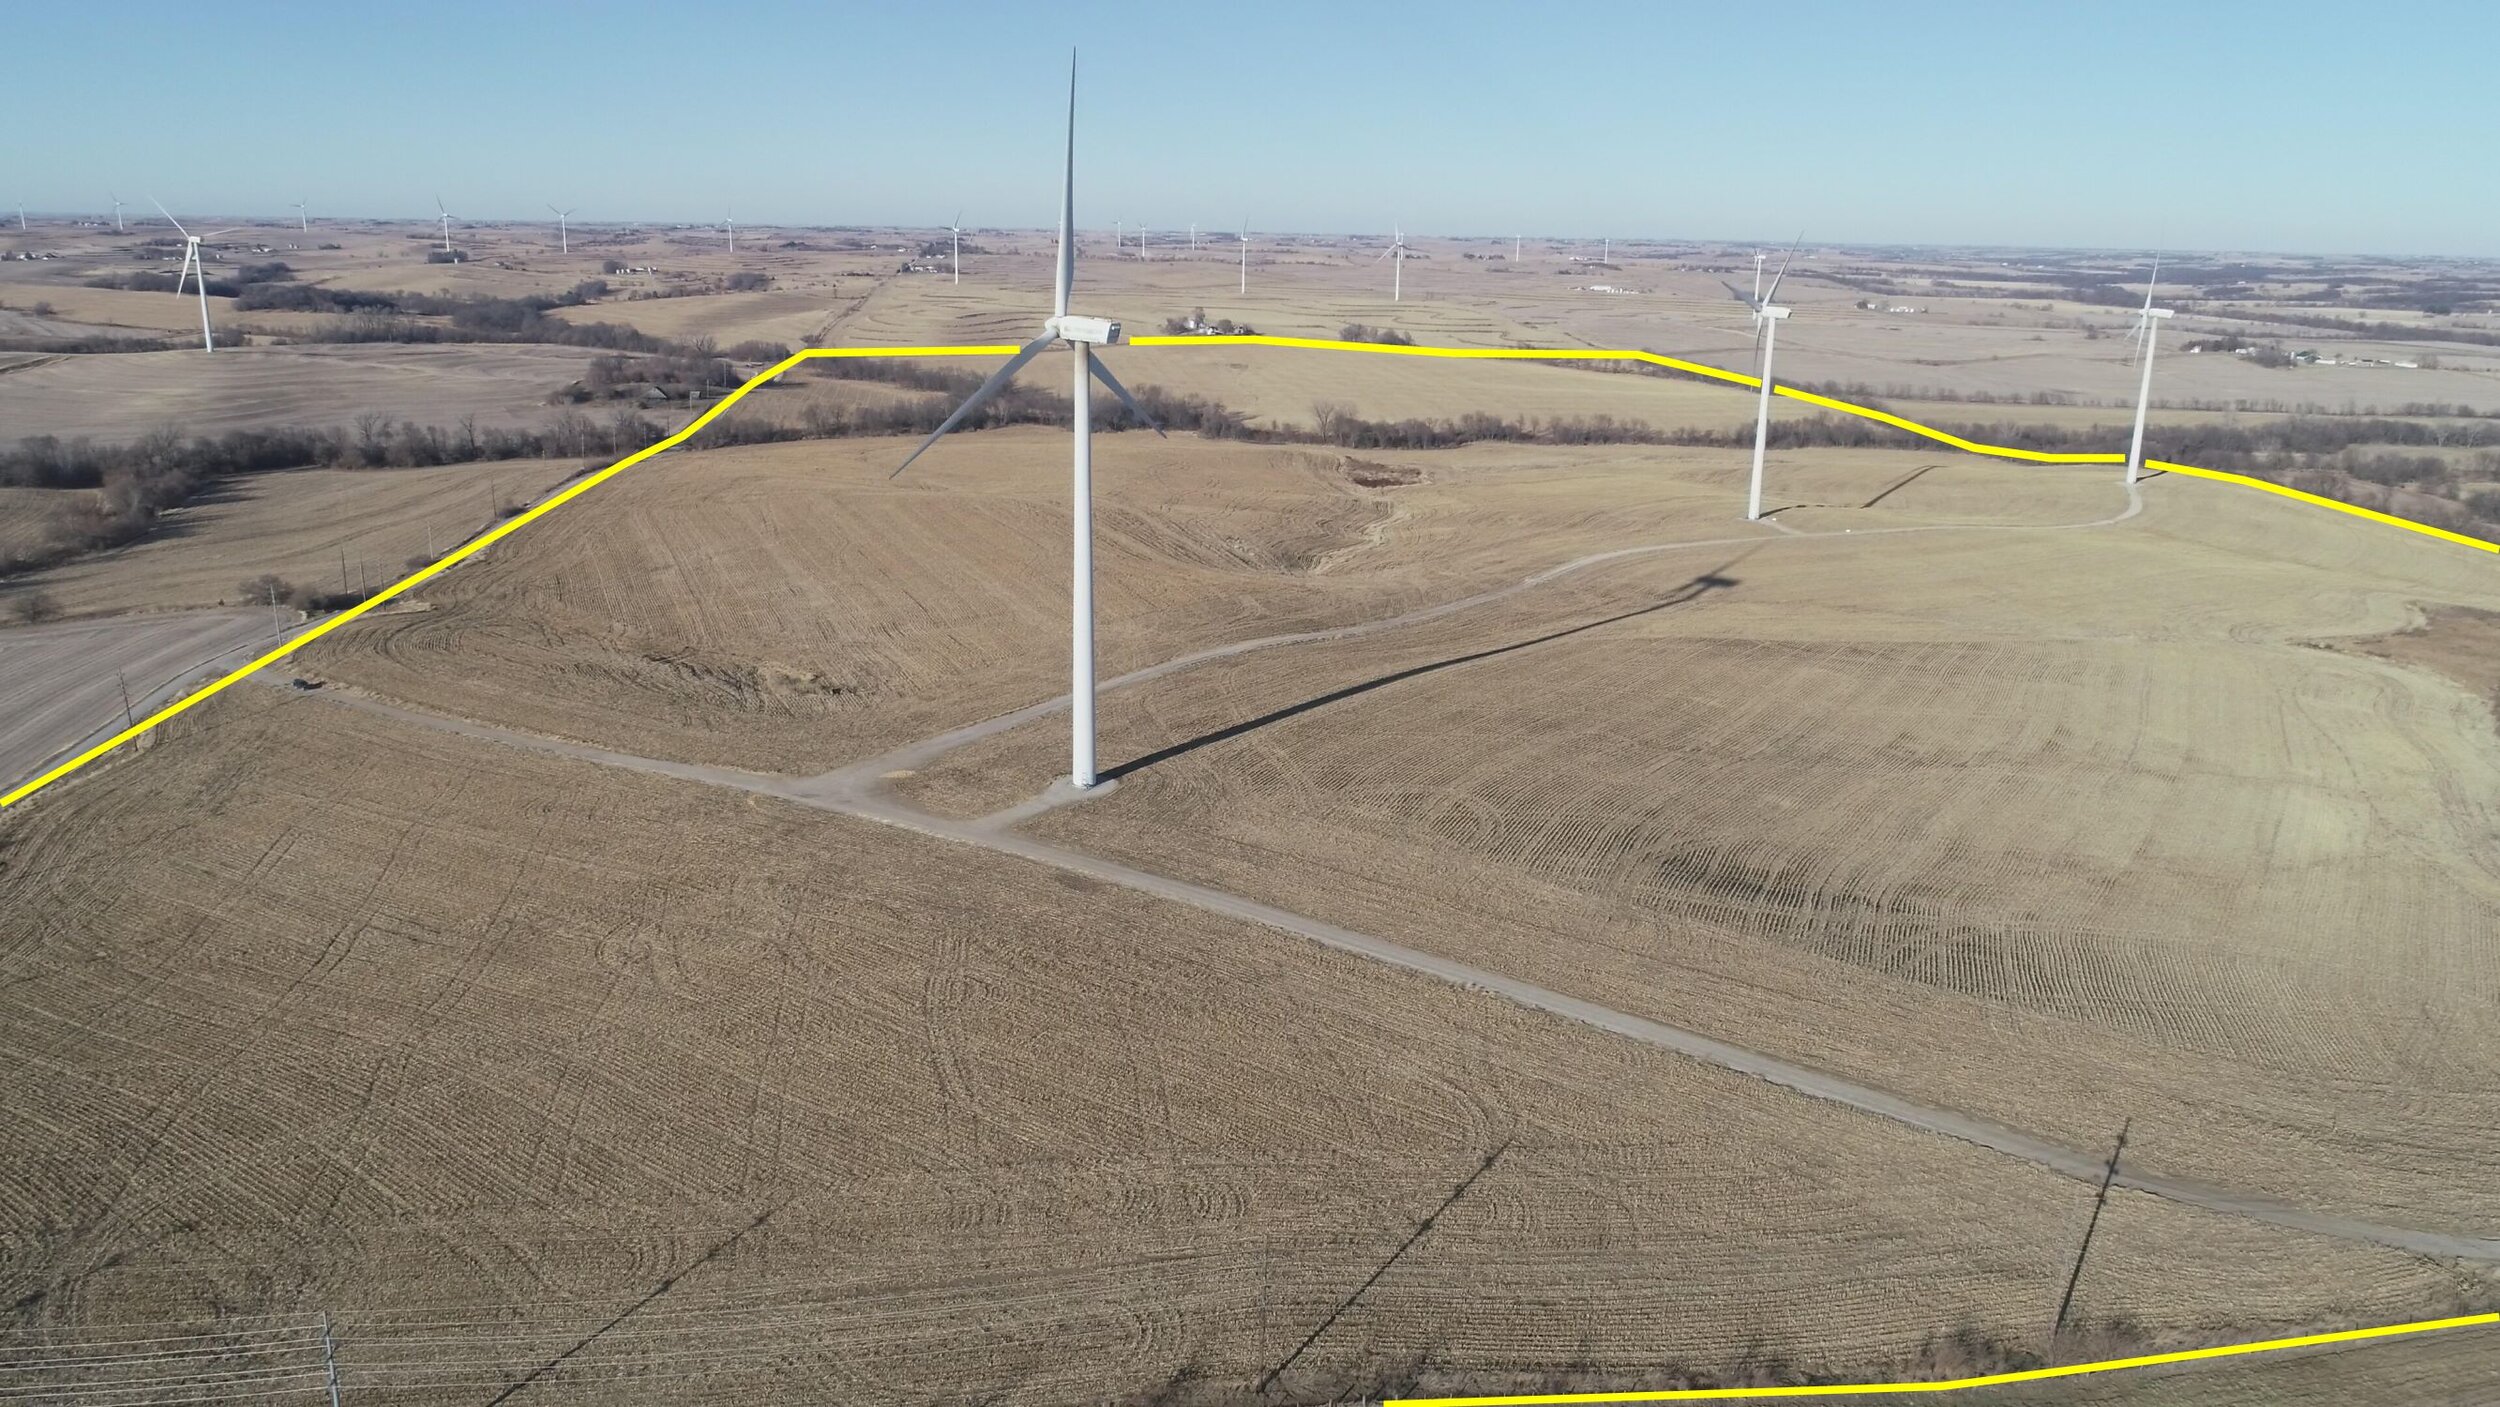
(859, 790)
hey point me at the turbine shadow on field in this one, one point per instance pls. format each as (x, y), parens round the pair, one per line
(667, 1284)
(1898, 485)
(1699, 586)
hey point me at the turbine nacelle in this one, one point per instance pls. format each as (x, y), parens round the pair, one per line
(1094, 332)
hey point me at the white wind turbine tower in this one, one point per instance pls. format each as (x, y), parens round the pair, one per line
(731, 225)
(1514, 247)
(2147, 331)
(564, 239)
(1082, 334)
(1244, 237)
(1758, 257)
(957, 230)
(303, 216)
(1767, 316)
(1193, 236)
(117, 212)
(191, 264)
(1396, 252)
(438, 206)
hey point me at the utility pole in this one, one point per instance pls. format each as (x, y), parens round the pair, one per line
(130, 716)
(346, 587)
(2108, 1175)
(276, 629)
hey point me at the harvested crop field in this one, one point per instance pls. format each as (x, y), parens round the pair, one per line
(2062, 828)
(333, 530)
(859, 612)
(478, 1052)
(122, 396)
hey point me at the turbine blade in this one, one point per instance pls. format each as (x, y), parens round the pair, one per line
(997, 383)
(438, 205)
(168, 214)
(2153, 282)
(1103, 374)
(1066, 280)
(1772, 295)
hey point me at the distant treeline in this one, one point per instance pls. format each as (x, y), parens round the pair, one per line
(2337, 457)
(136, 482)
(2363, 330)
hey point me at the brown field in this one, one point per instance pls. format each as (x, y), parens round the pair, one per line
(1968, 785)
(295, 524)
(2252, 881)
(122, 396)
(476, 1051)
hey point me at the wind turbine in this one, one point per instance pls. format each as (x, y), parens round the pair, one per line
(1514, 248)
(117, 212)
(191, 264)
(2147, 330)
(1193, 236)
(1245, 253)
(564, 241)
(438, 206)
(957, 230)
(1397, 275)
(1606, 251)
(1767, 316)
(21, 217)
(731, 224)
(303, 218)
(1082, 335)
(1758, 257)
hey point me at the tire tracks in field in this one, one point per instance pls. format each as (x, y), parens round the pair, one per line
(859, 790)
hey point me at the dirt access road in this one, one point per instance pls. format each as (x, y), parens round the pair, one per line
(861, 790)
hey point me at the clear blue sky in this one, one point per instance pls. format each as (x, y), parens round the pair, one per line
(2271, 126)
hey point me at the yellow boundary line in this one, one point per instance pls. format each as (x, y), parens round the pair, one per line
(505, 529)
(1736, 378)
(2031, 1375)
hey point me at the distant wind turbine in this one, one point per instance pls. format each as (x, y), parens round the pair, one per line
(21, 217)
(1396, 253)
(1082, 335)
(1514, 248)
(2147, 331)
(1245, 253)
(446, 214)
(731, 225)
(957, 230)
(564, 240)
(303, 216)
(1767, 315)
(117, 213)
(1758, 257)
(1193, 236)
(191, 264)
